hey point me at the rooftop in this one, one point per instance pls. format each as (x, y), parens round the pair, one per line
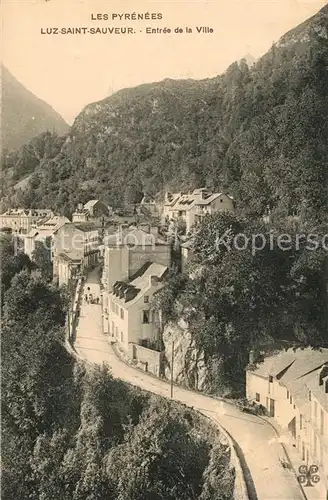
(298, 370)
(197, 197)
(86, 226)
(90, 204)
(49, 227)
(71, 256)
(133, 236)
(128, 293)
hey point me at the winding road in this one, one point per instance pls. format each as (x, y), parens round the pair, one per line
(256, 440)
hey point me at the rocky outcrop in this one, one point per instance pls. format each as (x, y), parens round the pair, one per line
(189, 367)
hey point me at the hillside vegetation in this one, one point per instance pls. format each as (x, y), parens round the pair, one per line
(72, 432)
(260, 132)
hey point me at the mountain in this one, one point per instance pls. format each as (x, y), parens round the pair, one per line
(260, 132)
(24, 115)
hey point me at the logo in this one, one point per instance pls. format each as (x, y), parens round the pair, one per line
(308, 475)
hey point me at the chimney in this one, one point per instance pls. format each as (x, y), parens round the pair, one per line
(203, 193)
(80, 207)
(323, 373)
(326, 385)
(251, 359)
(153, 280)
(168, 197)
(154, 232)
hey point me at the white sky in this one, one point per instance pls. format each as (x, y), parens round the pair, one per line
(70, 71)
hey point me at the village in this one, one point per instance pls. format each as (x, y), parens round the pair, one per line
(115, 263)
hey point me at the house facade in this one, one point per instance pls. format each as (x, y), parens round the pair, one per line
(191, 208)
(131, 319)
(293, 387)
(44, 235)
(23, 220)
(69, 265)
(92, 211)
(81, 239)
(126, 251)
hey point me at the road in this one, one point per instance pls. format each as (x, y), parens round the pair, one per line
(255, 438)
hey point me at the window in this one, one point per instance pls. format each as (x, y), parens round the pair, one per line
(113, 328)
(122, 313)
(287, 394)
(301, 421)
(270, 378)
(315, 410)
(257, 397)
(146, 299)
(121, 336)
(116, 308)
(221, 201)
(291, 400)
(116, 333)
(145, 316)
(309, 395)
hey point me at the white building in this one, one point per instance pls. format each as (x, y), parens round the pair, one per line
(92, 211)
(126, 251)
(81, 239)
(44, 235)
(293, 386)
(22, 220)
(69, 265)
(191, 208)
(131, 320)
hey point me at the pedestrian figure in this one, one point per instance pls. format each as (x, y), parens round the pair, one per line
(86, 298)
(97, 300)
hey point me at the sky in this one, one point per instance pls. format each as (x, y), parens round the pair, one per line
(71, 70)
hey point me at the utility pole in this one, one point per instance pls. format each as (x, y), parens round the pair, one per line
(172, 360)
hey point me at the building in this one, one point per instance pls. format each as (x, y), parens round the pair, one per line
(132, 321)
(22, 220)
(69, 265)
(293, 386)
(148, 207)
(44, 235)
(191, 208)
(169, 202)
(91, 242)
(82, 239)
(127, 250)
(92, 211)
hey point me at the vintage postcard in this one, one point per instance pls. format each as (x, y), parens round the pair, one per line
(164, 249)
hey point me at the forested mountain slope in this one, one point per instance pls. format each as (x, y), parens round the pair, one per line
(261, 132)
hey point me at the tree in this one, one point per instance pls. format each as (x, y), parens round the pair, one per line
(159, 458)
(41, 258)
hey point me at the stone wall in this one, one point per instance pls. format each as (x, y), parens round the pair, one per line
(147, 359)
